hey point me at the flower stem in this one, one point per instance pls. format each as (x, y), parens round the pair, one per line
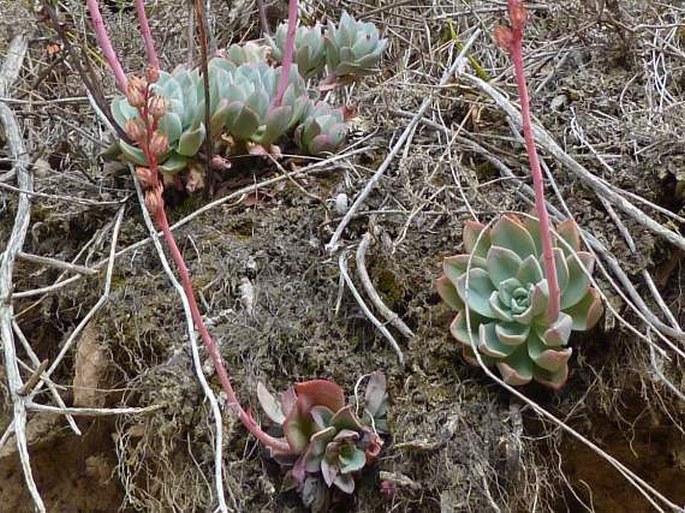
(287, 53)
(156, 205)
(517, 15)
(276, 445)
(106, 45)
(152, 58)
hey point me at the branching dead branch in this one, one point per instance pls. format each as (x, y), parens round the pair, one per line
(8, 72)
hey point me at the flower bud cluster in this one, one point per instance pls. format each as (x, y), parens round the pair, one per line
(136, 92)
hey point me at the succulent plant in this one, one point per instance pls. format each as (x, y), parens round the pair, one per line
(327, 438)
(323, 130)
(501, 279)
(249, 93)
(353, 48)
(246, 53)
(182, 124)
(309, 52)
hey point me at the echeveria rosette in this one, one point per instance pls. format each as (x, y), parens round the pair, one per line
(249, 93)
(507, 298)
(353, 48)
(182, 124)
(309, 51)
(322, 131)
(328, 440)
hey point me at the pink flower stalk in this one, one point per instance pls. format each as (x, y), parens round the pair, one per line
(287, 53)
(105, 44)
(147, 34)
(155, 144)
(511, 39)
(151, 180)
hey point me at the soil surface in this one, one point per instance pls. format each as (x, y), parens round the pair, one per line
(608, 84)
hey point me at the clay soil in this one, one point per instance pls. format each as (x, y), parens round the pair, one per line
(608, 83)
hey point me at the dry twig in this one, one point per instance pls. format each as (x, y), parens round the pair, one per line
(342, 261)
(458, 63)
(8, 73)
(364, 277)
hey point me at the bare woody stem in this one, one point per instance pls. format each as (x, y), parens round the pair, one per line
(105, 44)
(287, 53)
(152, 58)
(513, 41)
(202, 26)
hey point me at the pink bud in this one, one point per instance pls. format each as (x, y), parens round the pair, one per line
(153, 200)
(504, 37)
(219, 163)
(152, 74)
(135, 130)
(159, 144)
(157, 107)
(146, 176)
(518, 16)
(135, 98)
(196, 180)
(388, 488)
(136, 82)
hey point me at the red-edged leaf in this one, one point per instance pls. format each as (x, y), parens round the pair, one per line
(320, 392)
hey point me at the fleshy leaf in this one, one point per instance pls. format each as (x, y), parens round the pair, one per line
(479, 290)
(174, 164)
(587, 311)
(512, 333)
(298, 428)
(530, 270)
(321, 416)
(540, 298)
(345, 419)
(578, 279)
(448, 293)
(508, 232)
(502, 264)
(132, 154)
(562, 268)
(501, 312)
(549, 359)
(190, 142)
(170, 125)
(345, 483)
(320, 392)
(270, 405)
(532, 224)
(555, 380)
(352, 460)
(568, 231)
(517, 369)
(556, 334)
(329, 472)
(490, 344)
(459, 329)
(457, 265)
(472, 230)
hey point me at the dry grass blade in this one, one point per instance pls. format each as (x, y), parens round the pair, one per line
(458, 63)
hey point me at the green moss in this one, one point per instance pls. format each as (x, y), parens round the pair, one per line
(389, 286)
